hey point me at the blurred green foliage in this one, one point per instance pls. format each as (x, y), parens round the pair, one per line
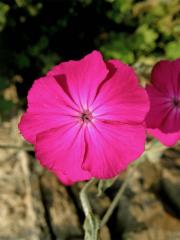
(4, 8)
(145, 28)
(35, 35)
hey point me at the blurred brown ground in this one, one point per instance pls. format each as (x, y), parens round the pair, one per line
(35, 206)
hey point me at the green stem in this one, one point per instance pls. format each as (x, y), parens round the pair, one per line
(91, 224)
(117, 197)
(84, 198)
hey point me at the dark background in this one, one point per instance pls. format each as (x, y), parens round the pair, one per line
(35, 35)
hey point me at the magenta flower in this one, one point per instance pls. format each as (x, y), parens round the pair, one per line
(163, 119)
(86, 118)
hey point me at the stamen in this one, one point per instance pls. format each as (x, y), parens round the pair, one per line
(176, 102)
(86, 116)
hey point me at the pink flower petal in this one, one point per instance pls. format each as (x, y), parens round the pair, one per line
(169, 139)
(160, 112)
(83, 77)
(165, 77)
(163, 119)
(86, 119)
(62, 150)
(121, 98)
(110, 148)
(48, 107)
(172, 121)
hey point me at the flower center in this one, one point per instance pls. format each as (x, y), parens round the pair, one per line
(176, 103)
(86, 116)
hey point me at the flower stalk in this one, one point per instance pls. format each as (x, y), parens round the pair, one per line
(84, 198)
(91, 224)
(118, 196)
